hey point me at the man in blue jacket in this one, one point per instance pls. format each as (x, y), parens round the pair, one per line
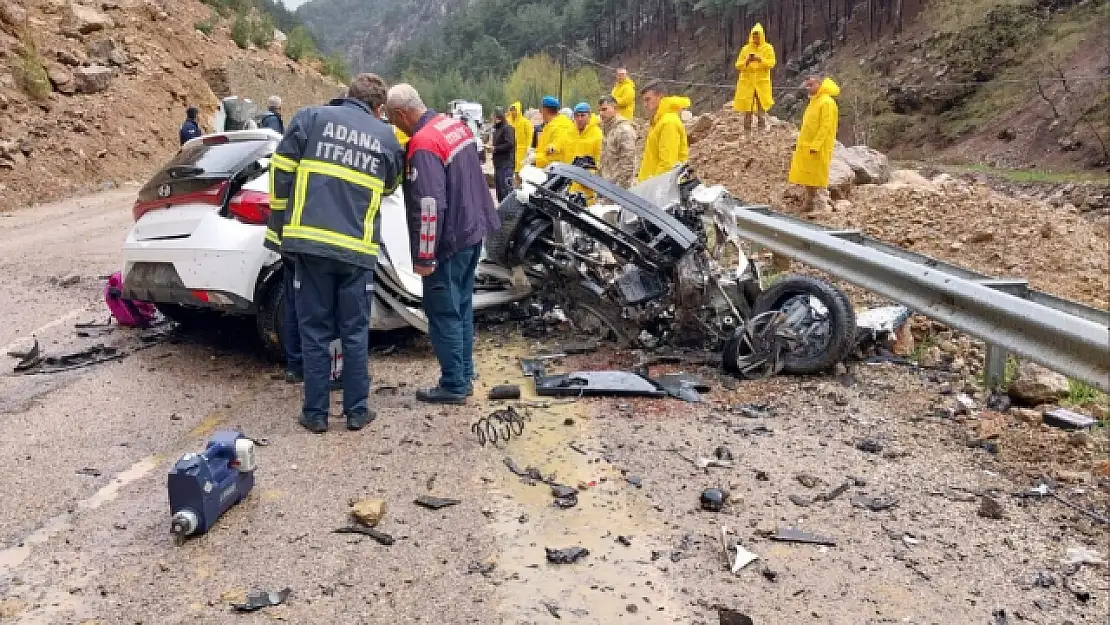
(272, 117)
(449, 211)
(190, 129)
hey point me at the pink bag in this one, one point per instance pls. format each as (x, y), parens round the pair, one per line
(128, 312)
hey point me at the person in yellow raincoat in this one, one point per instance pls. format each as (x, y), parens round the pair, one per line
(523, 129)
(587, 142)
(753, 89)
(556, 142)
(816, 139)
(666, 144)
(624, 92)
(402, 138)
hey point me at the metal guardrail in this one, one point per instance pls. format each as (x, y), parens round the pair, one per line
(1064, 336)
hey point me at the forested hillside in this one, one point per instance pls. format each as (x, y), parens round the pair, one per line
(920, 76)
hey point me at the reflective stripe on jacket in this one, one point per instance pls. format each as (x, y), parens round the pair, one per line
(447, 198)
(327, 179)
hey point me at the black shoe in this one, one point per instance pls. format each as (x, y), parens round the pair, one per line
(316, 426)
(294, 377)
(437, 395)
(356, 423)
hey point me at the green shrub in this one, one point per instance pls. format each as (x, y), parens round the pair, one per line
(241, 30)
(262, 31)
(336, 67)
(298, 44)
(30, 71)
(206, 26)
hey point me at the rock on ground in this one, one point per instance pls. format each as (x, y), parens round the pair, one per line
(94, 79)
(1036, 385)
(869, 165)
(85, 20)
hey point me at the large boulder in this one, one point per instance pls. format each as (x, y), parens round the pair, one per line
(94, 79)
(84, 20)
(1034, 385)
(870, 166)
(12, 14)
(841, 178)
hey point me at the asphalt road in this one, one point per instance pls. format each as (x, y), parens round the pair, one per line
(84, 522)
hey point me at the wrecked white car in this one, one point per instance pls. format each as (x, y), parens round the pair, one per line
(196, 249)
(660, 264)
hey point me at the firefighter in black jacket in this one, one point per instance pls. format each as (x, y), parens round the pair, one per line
(504, 154)
(328, 177)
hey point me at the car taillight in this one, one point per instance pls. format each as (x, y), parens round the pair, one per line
(212, 195)
(215, 140)
(250, 207)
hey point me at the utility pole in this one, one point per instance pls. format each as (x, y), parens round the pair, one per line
(562, 70)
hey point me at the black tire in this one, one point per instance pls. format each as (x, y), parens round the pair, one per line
(498, 243)
(268, 322)
(842, 321)
(188, 317)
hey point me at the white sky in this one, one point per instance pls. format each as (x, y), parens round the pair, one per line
(292, 4)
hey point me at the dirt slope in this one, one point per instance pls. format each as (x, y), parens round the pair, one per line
(1056, 248)
(118, 76)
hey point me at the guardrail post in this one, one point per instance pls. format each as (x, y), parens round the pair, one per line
(997, 356)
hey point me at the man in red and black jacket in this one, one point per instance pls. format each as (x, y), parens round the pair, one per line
(450, 211)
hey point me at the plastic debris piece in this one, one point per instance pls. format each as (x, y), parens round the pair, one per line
(30, 359)
(504, 392)
(533, 367)
(381, 537)
(263, 599)
(753, 411)
(791, 535)
(713, 499)
(874, 504)
(836, 492)
(870, 446)
(89, 471)
(742, 558)
(570, 555)
(590, 383)
(705, 463)
(435, 503)
(1083, 555)
(1068, 420)
(732, 617)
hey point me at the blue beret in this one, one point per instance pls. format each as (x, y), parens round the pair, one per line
(581, 107)
(550, 101)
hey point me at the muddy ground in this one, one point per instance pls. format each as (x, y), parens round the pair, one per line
(84, 516)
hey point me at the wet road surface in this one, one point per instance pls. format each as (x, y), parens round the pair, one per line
(84, 516)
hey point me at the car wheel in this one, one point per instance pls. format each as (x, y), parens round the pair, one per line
(819, 314)
(269, 321)
(187, 317)
(498, 243)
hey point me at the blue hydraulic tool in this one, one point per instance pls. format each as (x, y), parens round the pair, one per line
(204, 486)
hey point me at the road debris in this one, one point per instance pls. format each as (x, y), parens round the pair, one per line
(874, 504)
(482, 568)
(807, 480)
(713, 499)
(1078, 556)
(91, 472)
(504, 392)
(753, 411)
(597, 383)
(368, 512)
(625, 540)
(565, 496)
(534, 367)
(635, 481)
(732, 617)
(870, 446)
(723, 453)
(792, 535)
(262, 599)
(682, 386)
(1068, 420)
(571, 348)
(435, 503)
(801, 502)
(736, 556)
(500, 425)
(552, 609)
(989, 508)
(836, 492)
(381, 537)
(569, 555)
(29, 359)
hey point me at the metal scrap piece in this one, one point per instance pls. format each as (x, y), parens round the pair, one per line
(792, 535)
(874, 504)
(836, 492)
(504, 392)
(262, 599)
(591, 383)
(381, 537)
(28, 360)
(570, 555)
(435, 503)
(1068, 420)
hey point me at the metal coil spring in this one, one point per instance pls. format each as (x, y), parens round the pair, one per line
(500, 425)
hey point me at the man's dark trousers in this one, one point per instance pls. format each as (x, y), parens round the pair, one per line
(290, 328)
(449, 305)
(503, 182)
(333, 299)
